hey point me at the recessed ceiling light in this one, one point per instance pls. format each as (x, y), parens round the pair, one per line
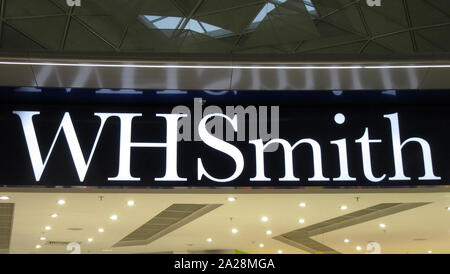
(234, 230)
(61, 202)
(302, 221)
(383, 225)
(42, 238)
(358, 248)
(269, 232)
(302, 204)
(38, 246)
(47, 227)
(90, 240)
(346, 241)
(448, 208)
(130, 203)
(113, 217)
(54, 215)
(430, 251)
(261, 245)
(101, 230)
(209, 240)
(4, 198)
(231, 199)
(280, 251)
(264, 218)
(344, 207)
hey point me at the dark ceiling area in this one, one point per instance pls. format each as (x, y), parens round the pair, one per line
(226, 27)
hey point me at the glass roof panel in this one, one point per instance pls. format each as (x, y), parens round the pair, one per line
(232, 27)
(168, 22)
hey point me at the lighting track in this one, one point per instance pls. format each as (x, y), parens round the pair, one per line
(163, 66)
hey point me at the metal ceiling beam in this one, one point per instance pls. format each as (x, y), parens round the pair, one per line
(2, 15)
(334, 45)
(437, 8)
(87, 27)
(191, 14)
(25, 35)
(66, 28)
(240, 6)
(366, 28)
(410, 25)
(10, 18)
(411, 29)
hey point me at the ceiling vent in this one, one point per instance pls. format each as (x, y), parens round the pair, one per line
(6, 220)
(59, 243)
(168, 220)
(301, 238)
(75, 229)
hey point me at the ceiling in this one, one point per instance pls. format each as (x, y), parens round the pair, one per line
(232, 27)
(418, 229)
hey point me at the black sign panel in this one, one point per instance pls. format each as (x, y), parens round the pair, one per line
(317, 145)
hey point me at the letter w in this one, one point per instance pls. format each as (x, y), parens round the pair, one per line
(26, 117)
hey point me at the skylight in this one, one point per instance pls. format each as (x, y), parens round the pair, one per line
(162, 22)
(310, 8)
(264, 11)
(173, 22)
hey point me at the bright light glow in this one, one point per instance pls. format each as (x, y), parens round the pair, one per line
(264, 218)
(269, 232)
(90, 240)
(4, 198)
(234, 230)
(231, 199)
(302, 204)
(130, 203)
(61, 202)
(358, 248)
(48, 228)
(42, 238)
(280, 251)
(261, 245)
(296, 67)
(113, 217)
(101, 230)
(448, 208)
(38, 246)
(430, 251)
(383, 225)
(54, 215)
(344, 207)
(209, 240)
(346, 241)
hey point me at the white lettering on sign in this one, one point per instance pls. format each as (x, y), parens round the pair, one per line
(39, 162)
(81, 165)
(222, 146)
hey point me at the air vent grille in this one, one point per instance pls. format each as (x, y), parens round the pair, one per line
(301, 238)
(6, 219)
(58, 243)
(165, 222)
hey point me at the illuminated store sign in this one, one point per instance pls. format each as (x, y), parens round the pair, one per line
(78, 146)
